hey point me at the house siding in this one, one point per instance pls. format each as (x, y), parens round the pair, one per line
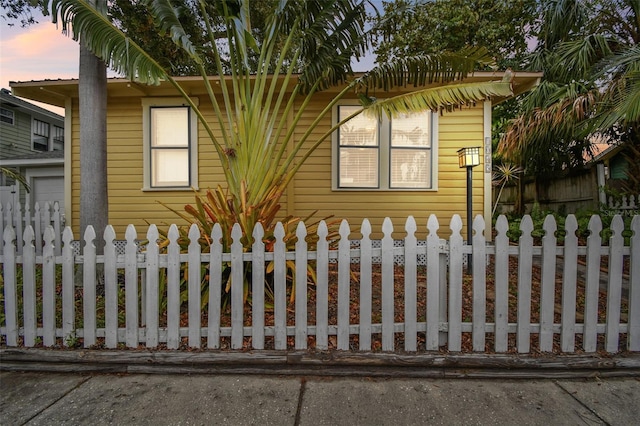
(15, 139)
(456, 129)
(311, 189)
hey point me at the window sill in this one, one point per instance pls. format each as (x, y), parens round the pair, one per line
(171, 189)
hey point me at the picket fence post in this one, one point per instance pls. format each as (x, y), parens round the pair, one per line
(547, 286)
(49, 289)
(280, 288)
(68, 289)
(525, 263)
(366, 283)
(301, 287)
(237, 285)
(501, 286)
(388, 335)
(132, 313)
(29, 287)
(569, 284)
(614, 286)
(110, 289)
(433, 285)
(195, 294)
(257, 274)
(410, 286)
(173, 288)
(215, 287)
(10, 285)
(455, 284)
(479, 265)
(89, 287)
(322, 288)
(592, 285)
(344, 269)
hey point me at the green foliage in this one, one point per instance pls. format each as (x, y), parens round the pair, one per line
(21, 10)
(271, 65)
(502, 175)
(583, 217)
(411, 27)
(590, 59)
(215, 208)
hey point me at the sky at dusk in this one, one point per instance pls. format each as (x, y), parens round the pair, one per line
(42, 52)
(39, 52)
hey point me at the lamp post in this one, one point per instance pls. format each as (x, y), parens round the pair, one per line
(469, 158)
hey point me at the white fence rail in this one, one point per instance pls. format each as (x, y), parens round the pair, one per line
(625, 204)
(421, 309)
(39, 220)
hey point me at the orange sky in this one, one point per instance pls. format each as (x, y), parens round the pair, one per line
(41, 52)
(38, 52)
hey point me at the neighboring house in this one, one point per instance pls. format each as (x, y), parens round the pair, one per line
(604, 180)
(350, 176)
(31, 143)
(612, 168)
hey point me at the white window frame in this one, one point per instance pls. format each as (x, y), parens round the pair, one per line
(384, 157)
(8, 114)
(57, 136)
(34, 134)
(147, 105)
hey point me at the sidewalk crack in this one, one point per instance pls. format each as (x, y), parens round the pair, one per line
(57, 400)
(582, 403)
(303, 387)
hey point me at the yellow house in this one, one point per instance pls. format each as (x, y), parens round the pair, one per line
(368, 169)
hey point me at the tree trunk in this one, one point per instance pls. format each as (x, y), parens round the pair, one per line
(92, 86)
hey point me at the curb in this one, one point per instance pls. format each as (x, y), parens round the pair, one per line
(332, 363)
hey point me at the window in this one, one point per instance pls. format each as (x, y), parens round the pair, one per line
(40, 135)
(58, 138)
(384, 154)
(170, 148)
(7, 116)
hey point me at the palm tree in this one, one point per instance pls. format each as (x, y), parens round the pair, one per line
(589, 53)
(318, 38)
(92, 88)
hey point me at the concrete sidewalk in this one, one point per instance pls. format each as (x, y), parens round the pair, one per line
(36, 398)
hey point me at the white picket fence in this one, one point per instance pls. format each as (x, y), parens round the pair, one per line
(288, 327)
(625, 204)
(39, 219)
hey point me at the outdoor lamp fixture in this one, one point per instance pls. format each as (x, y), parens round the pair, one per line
(469, 158)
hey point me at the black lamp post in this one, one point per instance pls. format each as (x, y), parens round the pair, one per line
(469, 158)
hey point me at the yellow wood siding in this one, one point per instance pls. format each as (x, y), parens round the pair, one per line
(311, 189)
(456, 129)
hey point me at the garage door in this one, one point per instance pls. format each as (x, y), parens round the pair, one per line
(48, 189)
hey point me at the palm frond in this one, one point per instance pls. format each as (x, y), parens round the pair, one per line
(12, 174)
(332, 34)
(425, 69)
(553, 137)
(106, 41)
(577, 57)
(439, 98)
(167, 20)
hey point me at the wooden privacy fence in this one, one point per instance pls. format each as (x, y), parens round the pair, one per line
(352, 306)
